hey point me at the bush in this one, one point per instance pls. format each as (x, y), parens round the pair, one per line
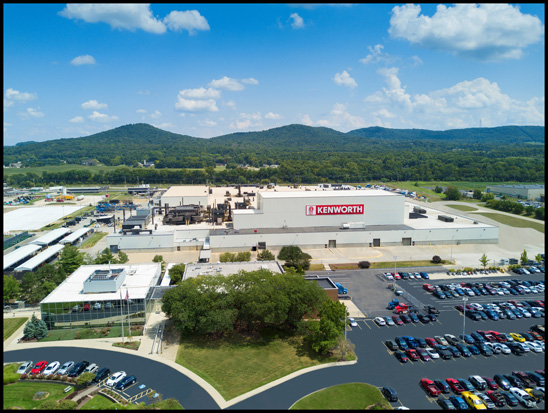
(364, 264)
(436, 259)
(24, 376)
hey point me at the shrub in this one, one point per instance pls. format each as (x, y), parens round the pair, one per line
(436, 259)
(364, 264)
(24, 376)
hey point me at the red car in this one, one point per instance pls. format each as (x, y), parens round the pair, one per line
(396, 276)
(501, 338)
(86, 307)
(430, 387)
(492, 384)
(397, 320)
(455, 385)
(412, 354)
(423, 354)
(460, 308)
(428, 287)
(41, 365)
(431, 342)
(535, 335)
(496, 398)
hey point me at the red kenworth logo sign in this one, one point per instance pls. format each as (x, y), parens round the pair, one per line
(334, 209)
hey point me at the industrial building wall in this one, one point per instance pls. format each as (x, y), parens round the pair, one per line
(142, 241)
(291, 212)
(174, 201)
(349, 237)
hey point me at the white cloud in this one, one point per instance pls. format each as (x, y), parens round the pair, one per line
(190, 20)
(141, 111)
(227, 84)
(101, 117)
(143, 92)
(200, 93)
(376, 55)
(297, 22)
(250, 81)
(83, 60)
(32, 113)
(93, 104)
(247, 120)
(77, 119)
(163, 125)
(118, 16)
(231, 104)
(339, 117)
(459, 106)
(484, 32)
(207, 122)
(192, 105)
(156, 115)
(344, 79)
(11, 96)
(271, 115)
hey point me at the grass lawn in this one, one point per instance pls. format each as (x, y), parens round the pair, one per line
(12, 324)
(94, 239)
(465, 208)
(350, 396)
(10, 375)
(20, 394)
(89, 333)
(98, 402)
(237, 364)
(513, 221)
(316, 267)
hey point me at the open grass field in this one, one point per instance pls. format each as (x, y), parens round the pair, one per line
(464, 208)
(513, 221)
(10, 375)
(237, 364)
(20, 395)
(350, 396)
(98, 402)
(94, 239)
(58, 168)
(11, 325)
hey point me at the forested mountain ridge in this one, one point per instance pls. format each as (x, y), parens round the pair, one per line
(304, 153)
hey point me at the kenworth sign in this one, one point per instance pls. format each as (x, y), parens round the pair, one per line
(334, 209)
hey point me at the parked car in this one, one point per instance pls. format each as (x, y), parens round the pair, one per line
(486, 400)
(478, 382)
(473, 401)
(491, 384)
(401, 357)
(392, 345)
(25, 367)
(101, 375)
(441, 340)
(446, 404)
(510, 398)
(402, 344)
(523, 397)
(412, 354)
(429, 386)
(389, 321)
(352, 322)
(37, 369)
(458, 402)
(444, 352)
(432, 353)
(496, 397)
(115, 378)
(390, 394)
(78, 369)
(466, 384)
(397, 320)
(423, 354)
(463, 349)
(443, 386)
(473, 349)
(451, 339)
(92, 368)
(455, 385)
(65, 368)
(51, 368)
(122, 384)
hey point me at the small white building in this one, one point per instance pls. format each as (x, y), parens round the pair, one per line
(186, 195)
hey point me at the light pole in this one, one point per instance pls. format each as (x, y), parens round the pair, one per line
(464, 300)
(395, 258)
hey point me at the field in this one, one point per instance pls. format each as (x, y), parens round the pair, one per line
(20, 395)
(350, 396)
(94, 239)
(464, 208)
(58, 168)
(11, 325)
(236, 364)
(513, 221)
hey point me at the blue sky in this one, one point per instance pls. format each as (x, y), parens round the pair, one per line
(206, 70)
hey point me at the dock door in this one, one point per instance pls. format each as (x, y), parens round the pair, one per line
(376, 242)
(332, 243)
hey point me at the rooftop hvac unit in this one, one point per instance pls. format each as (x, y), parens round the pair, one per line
(445, 218)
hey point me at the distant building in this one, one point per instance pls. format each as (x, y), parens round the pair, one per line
(530, 192)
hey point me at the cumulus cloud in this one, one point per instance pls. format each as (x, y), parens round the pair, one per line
(459, 106)
(271, 115)
(83, 60)
(250, 81)
(376, 55)
(141, 111)
(200, 93)
(485, 32)
(12, 96)
(118, 16)
(344, 79)
(297, 21)
(77, 119)
(227, 84)
(339, 117)
(101, 117)
(193, 105)
(247, 120)
(93, 104)
(32, 113)
(190, 21)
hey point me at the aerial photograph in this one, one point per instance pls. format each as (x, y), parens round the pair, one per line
(299, 206)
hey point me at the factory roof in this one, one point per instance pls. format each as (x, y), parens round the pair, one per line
(75, 235)
(139, 279)
(327, 194)
(186, 191)
(35, 261)
(50, 236)
(228, 268)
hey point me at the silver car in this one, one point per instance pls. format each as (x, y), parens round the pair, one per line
(65, 368)
(389, 321)
(25, 367)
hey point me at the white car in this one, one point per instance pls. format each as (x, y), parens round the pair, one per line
(115, 378)
(525, 271)
(65, 368)
(411, 276)
(388, 276)
(476, 306)
(380, 321)
(523, 397)
(500, 291)
(540, 343)
(533, 346)
(97, 306)
(92, 368)
(503, 348)
(432, 353)
(25, 367)
(496, 349)
(389, 321)
(51, 368)
(352, 322)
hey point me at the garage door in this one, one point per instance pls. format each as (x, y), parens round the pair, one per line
(376, 242)
(406, 241)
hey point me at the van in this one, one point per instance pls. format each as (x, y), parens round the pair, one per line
(478, 382)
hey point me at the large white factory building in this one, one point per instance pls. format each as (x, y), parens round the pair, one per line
(312, 218)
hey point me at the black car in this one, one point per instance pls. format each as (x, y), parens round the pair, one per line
(514, 381)
(464, 350)
(405, 318)
(402, 357)
(414, 317)
(432, 310)
(101, 375)
(78, 369)
(478, 337)
(390, 394)
(515, 348)
(446, 404)
(402, 344)
(443, 386)
(502, 381)
(432, 317)
(392, 345)
(443, 351)
(473, 349)
(527, 336)
(422, 342)
(485, 349)
(454, 351)
(537, 378)
(510, 398)
(524, 378)
(473, 315)
(424, 318)
(126, 382)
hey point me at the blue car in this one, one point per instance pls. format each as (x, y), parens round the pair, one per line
(126, 382)
(473, 349)
(467, 338)
(492, 315)
(411, 342)
(424, 275)
(458, 402)
(464, 349)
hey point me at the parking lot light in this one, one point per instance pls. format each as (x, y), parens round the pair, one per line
(395, 258)
(464, 300)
